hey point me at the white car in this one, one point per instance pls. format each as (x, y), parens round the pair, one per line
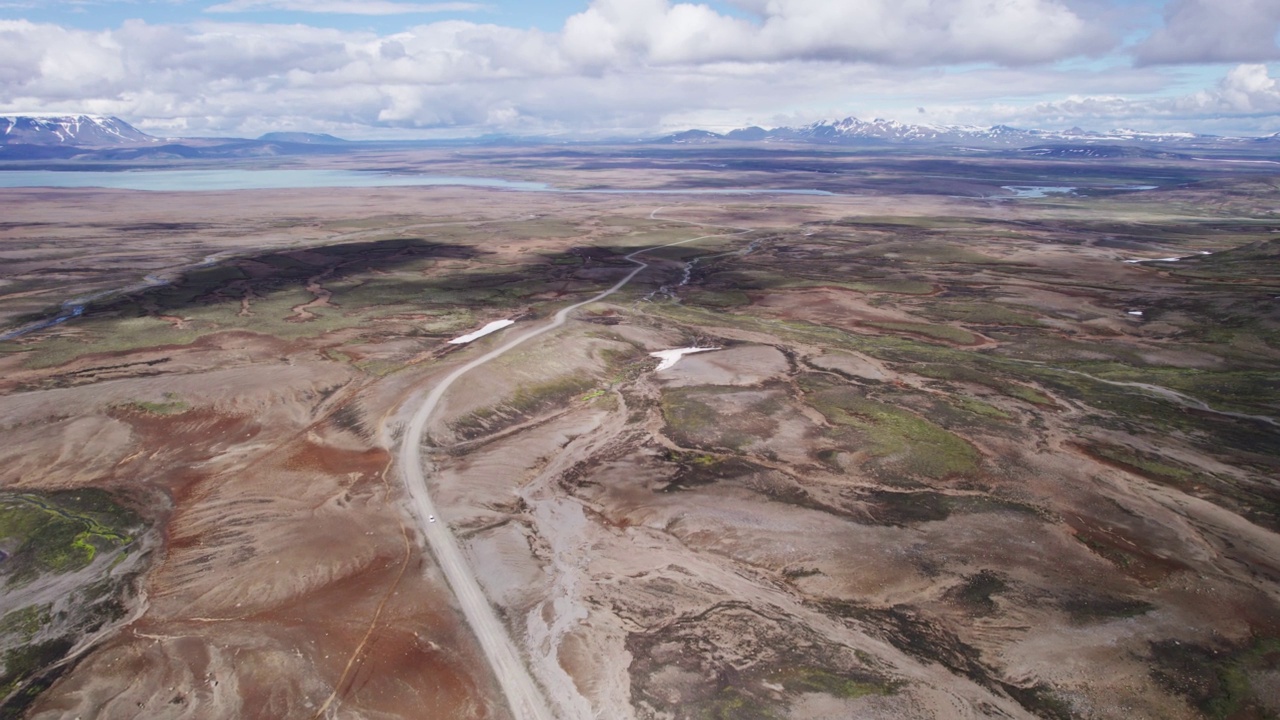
(431, 518)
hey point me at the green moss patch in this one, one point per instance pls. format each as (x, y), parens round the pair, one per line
(980, 313)
(1089, 610)
(527, 401)
(973, 372)
(808, 679)
(978, 407)
(61, 532)
(945, 333)
(51, 536)
(928, 251)
(719, 298)
(25, 622)
(1027, 394)
(171, 405)
(1221, 683)
(899, 439)
(725, 419)
(1251, 391)
(696, 469)
(20, 663)
(1143, 464)
(733, 704)
(758, 277)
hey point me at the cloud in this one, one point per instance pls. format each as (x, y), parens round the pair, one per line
(1245, 90)
(895, 32)
(218, 77)
(344, 7)
(80, 5)
(1197, 31)
(1245, 101)
(618, 67)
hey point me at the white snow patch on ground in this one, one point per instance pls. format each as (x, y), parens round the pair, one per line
(671, 357)
(1169, 259)
(492, 327)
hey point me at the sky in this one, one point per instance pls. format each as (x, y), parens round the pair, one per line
(374, 69)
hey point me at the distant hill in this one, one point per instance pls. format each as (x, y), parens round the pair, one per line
(302, 138)
(70, 130)
(749, 134)
(691, 137)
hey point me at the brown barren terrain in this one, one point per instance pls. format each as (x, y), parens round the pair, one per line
(954, 457)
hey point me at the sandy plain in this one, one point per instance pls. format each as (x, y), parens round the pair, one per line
(911, 483)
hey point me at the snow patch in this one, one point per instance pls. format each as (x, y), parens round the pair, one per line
(671, 357)
(1038, 191)
(1169, 259)
(492, 327)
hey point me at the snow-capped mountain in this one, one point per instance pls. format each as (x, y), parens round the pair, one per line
(70, 130)
(851, 130)
(32, 137)
(889, 130)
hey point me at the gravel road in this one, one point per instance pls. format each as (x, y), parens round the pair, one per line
(523, 694)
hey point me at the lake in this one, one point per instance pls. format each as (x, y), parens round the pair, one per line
(244, 179)
(1037, 191)
(1040, 191)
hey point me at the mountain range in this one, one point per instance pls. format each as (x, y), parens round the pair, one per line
(71, 130)
(852, 131)
(95, 137)
(49, 137)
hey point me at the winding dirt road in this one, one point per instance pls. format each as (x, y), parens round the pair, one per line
(523, 694)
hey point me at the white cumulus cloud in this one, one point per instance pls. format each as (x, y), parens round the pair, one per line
(1246, 99)
(1246, 89)
(344, 7)
(897, 32)
(1197, 31)
(629, 66)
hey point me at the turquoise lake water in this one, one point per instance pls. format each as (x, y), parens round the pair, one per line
(241, 179)
(244, 179)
